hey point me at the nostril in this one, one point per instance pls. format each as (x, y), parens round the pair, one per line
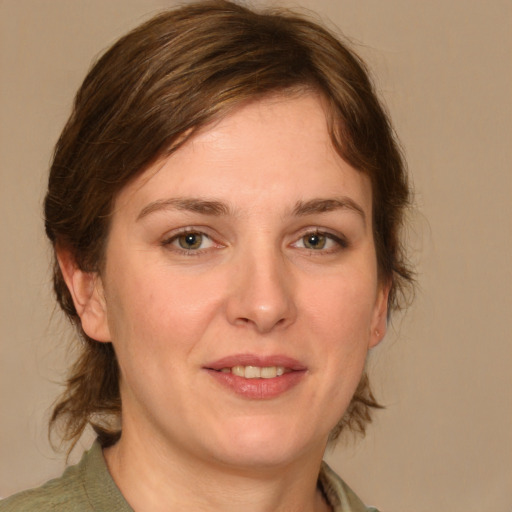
(262, 300)
(262, 325)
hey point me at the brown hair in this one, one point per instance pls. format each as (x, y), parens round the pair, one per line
(146, 96)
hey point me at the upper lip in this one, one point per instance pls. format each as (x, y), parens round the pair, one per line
(256, 360)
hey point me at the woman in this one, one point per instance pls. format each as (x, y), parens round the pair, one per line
(225, 205)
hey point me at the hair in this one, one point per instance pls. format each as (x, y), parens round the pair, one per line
(146, 96)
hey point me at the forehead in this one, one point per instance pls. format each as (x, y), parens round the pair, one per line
(276, 148)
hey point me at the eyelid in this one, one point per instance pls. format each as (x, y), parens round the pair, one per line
(339, 239)
(170, 238)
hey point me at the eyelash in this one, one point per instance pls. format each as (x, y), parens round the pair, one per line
(195, 252)
(340, 242)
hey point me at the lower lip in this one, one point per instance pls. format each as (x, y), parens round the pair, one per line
(259, 389)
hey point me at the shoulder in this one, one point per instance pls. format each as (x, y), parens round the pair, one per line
(66, 493)
(339, 495)
(85, 487)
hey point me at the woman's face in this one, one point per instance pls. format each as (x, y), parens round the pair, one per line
(240, 289)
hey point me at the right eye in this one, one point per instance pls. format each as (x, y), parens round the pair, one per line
(190, 241)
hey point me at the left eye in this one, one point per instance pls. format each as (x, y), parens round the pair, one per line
(317, 241)
(191, 241)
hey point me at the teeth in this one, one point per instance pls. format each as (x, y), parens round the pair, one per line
(255, 372)
(269, 372)
(252, 372)
(238, 370)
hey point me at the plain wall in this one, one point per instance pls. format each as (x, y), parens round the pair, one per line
(444, 442)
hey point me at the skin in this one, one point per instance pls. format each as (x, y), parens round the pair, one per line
(257, 284)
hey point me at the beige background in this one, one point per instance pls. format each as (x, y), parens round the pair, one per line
(444, 68)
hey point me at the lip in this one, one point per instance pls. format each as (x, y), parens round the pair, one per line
(257, 389)
(255, 360)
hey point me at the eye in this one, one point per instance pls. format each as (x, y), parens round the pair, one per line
(320, 241)
(315, 241)
(190, 241)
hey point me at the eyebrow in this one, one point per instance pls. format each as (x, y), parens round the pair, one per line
(218, 208)
(313, 206)
(204, 206)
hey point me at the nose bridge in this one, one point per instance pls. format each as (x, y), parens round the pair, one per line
(262, 289)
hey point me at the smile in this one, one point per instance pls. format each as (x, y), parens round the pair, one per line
(257, 377)
(256, 372)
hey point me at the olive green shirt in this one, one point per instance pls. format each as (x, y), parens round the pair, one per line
(88, 487)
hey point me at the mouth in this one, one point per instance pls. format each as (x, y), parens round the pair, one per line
(257, 377)
(256, 372)
(251, 366)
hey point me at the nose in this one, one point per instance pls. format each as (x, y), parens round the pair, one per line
(261, 292)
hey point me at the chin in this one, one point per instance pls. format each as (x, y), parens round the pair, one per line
(260, 444)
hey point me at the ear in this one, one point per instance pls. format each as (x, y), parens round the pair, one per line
(380, 315)
(86, 289)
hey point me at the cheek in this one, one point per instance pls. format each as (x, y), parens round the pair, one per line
(342, 317)
(344, 306)
(160, 308)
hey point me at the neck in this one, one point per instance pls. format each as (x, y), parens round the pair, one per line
(154, 478)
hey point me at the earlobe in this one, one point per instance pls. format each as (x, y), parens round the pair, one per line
(380, 316)
(86, 289)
